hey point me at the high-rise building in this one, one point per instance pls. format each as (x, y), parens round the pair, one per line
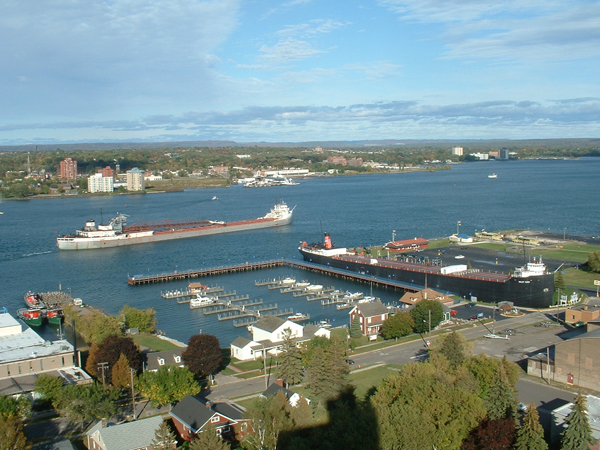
(504, 153)
(135, 179)
(68, 169)
(99, 183)
(107, 172)
(457, 151)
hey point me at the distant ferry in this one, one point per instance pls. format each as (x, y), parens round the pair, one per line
(116, 234)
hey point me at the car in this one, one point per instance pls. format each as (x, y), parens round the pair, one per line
(473, 318)
(453, 312)
(522, 407)
(470, 305)
(459, 257)
(349, 361)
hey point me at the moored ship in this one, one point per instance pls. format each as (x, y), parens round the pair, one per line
(32, 317)
(117, 233)
(529, 286)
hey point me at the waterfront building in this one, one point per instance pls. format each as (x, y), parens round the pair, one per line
(410, 299)
(371, 316)
(337, 160)
(457, 151)
(24, 355)
(99, 183)
(480, 156)
(504, 154)
(68, 169)
(135, 180)
(107, 172)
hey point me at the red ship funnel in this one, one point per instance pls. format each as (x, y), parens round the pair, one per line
(327, 241)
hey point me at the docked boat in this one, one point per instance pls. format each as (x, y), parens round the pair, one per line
(200, 301)
(117, 233)
(298, 317)
(314, 288)
(33, 300)
(32, 317)
(353, 296)
(55, 316)
(528, 286)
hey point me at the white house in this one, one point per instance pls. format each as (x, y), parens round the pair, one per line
(275, 329)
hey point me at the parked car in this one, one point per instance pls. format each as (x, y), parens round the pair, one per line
(470, 305)
(349, 361)
(453, 312)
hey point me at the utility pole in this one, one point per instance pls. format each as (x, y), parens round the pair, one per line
(131, 372)
(429, 321)
(265, 365)
(103, 366)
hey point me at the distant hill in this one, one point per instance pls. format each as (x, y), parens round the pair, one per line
(409, 143)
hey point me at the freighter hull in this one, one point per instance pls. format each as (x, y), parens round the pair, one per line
(533, 292)
(122, 238)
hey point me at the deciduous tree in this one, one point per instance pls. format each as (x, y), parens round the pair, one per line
(269, 417)
(49, 386)
(109, 351)
(453, 347)
(593, 262)
(203, 354)
(167, 385)
(142, 319)
(12, 436)
(578, 433)
(121, 373)
(421, 315)
(397, 325)
(491, 434)
(84, 403)
(531, 434)
(15, 407)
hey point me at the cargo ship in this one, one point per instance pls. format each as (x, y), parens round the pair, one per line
(117, 234)
(528, 286)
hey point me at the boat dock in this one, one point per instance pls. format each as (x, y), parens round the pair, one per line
(190, 292)
(249, 320)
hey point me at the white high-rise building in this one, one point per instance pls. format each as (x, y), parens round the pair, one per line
(457, 151)
(135, 179)
(99, 183)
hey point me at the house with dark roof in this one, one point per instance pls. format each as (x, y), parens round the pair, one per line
(371, 316)
(268, 335)
(135, 435)
(292, 397)
(167, 357)
(192, 414)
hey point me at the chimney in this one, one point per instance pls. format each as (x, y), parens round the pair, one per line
(279, 382)
(207, 404)
(103, 422)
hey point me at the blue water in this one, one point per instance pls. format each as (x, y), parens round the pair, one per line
(356, 210)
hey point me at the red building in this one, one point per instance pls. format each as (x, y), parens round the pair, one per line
(371, 316)
(407, 245)
(68, 169)
(107, 172)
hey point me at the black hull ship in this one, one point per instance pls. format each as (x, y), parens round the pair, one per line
(528, 286)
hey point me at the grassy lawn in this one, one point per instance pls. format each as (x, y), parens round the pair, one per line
(186, 183)
(574, 277)
(367, 379)
(152, 342)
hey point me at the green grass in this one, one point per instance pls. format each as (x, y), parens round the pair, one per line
(248, 365)
(367, 379)
(152, 342)
(575, 277)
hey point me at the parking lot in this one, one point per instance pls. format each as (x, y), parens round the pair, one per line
(472, 311)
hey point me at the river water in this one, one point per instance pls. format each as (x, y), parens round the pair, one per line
(548, 195)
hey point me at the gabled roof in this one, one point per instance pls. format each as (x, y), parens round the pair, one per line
(241, 342)
(371, 309)
(169, 357)
(269, 323)
(275, 389)
(195, 412)
(129, 435)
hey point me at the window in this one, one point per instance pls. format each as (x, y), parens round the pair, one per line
(177, 358)
(63, 361)
(41, 364)
(214, 419)
(19, 368)
(161, 361)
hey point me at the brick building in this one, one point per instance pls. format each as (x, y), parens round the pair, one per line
(68, 169)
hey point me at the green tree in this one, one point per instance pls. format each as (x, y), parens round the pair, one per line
(453, 347)
(355, 329)
(290, 367)
(593, 262)
(484, 369)
(531, 434)
(424, 406)
(12, 436)
(578, 433)
(49, 386)
(167, 385)
(269, 417)
(326, 372)
(142, 319)
(203, 354)
(502, 397)
(209, 439)
(425, 312)
(397, 325)
(164, 438)
(84, 403)
(11, 407)
(559, 282)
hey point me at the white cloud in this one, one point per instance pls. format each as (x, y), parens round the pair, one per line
(287, 50)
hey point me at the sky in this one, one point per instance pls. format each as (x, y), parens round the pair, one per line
(297, 70)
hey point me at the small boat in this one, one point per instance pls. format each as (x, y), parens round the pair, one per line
(298, 317)
(303, 284)
(288, 280)
(201, 301)
(32, 317)
(55, 316)
(214, 197)
(314, 287)
(33, 300)
(368, 299)
(324, 324)
(353, 296)
(493, 175)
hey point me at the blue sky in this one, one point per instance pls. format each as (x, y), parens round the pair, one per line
(297, 70)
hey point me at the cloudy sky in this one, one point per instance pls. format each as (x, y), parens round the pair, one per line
(297, 70)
